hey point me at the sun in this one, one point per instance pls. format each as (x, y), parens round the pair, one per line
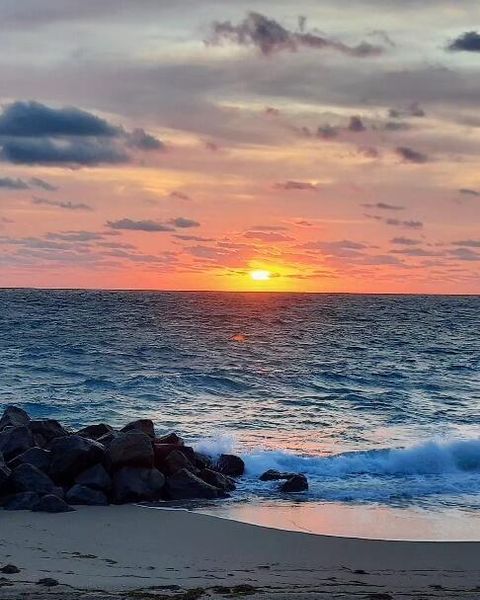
(260, 275)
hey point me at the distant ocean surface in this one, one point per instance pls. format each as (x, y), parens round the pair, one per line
(375, 398)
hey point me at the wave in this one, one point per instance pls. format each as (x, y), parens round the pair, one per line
(429, 458)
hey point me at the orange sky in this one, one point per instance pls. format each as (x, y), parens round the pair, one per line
(167, 149)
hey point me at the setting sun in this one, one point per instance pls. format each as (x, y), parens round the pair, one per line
(260, 275)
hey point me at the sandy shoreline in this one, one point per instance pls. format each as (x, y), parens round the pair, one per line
(125, 548)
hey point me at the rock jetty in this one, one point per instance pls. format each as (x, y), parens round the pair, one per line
(46, 467)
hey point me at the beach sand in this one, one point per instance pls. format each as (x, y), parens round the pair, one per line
(140, 553)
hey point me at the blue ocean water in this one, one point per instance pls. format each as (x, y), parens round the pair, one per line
(376, 398)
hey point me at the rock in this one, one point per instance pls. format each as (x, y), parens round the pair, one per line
(184, 485)
(51, 504)
(217, 480)
(171, 438)
(21, 501)
(133, 449)
(73, 454)
(15, 440)
(81, 494)
(202, 461)
(141, 426)
(14, 417)
(96, 478)
(38, 457)
(175, 461)
(27, 478)
(134, 484)
(48, 429)
(48, 582)
(231, 465)
(273, 475)
(107, 438)
(94, 432)
(4, 472)
(297, 483)
(161, 452)
(10, 570)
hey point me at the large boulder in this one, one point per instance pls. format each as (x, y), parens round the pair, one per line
(95, 432)
(184, 485)
(230, 465)
(45, 430)
(274, 475)
(134, 484)
(38, 457)
(51, 504)
(73, 454)
(14, 417)
(217, 479)
(297, 483)
(21, 501)
(81, 494)
(96, 478)
(163, 450)
(27, 478)
(170, 438)
(132, 448)
(15, 440)
(175, 461)
(141, 426)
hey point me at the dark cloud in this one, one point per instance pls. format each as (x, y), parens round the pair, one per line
(297, 185)
(411, 155)
(467, 42)
(142, 225)
(44, 185)
(469, 192)
(32, 119)
(404, 241)
(384, 206)
(192, 238)
(408, 224)
(269, 37)
(465, 254)
(183, 223)
(396, 126)
(356, 124)
(142, 140)
(76, 236)
(13, 184)
(60, 204)
(327, 132)
(30, 151)
(467, 243)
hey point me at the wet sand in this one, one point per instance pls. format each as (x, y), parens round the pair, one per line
(133, 552)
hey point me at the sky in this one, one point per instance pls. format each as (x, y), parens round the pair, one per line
(311, 146)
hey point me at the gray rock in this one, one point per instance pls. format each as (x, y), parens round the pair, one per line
(38, 457)
(171, 438)
(15, 440)
(134, 484)
(95, 432)
(132, 449)
(230, 465)
(51, 504)
(217, 480)
(96, 478)
(141, 426)
(73, 454)
(14, 417)
(48, 582)
(297, 483)
(48, 429)
(21, 501)
(273, 475)
(184, 485)
(175, 461)
(4, 472)
(27, 478)
(81, 494)
(10, 570)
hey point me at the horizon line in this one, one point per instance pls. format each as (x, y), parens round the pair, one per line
(209, 291)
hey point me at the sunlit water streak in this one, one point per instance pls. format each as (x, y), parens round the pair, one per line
(287, 379)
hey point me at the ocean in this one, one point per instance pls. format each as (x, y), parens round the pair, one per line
(376, 398)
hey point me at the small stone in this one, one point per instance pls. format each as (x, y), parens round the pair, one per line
(229, 464)
(81, 494)
(297, 483)
(51, 504)
(47, 582)
(9, 570)
(274, 475)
